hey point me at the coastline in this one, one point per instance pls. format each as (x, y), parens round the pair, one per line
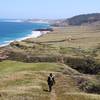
(34, 34)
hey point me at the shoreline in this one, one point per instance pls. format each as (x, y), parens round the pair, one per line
(34, 34)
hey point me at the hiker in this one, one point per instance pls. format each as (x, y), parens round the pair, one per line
(51, 81)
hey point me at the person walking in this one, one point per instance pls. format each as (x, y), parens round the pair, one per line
(51, 81)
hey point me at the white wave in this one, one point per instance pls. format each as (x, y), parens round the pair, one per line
(2, 45)
(6, 43)
(34, 34)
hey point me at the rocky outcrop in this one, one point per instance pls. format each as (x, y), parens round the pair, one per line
(47, 29)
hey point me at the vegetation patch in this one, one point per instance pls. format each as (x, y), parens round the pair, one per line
(86, 65)
(90, 86)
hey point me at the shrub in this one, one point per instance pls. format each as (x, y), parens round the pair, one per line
(90, 87)
(87, 65)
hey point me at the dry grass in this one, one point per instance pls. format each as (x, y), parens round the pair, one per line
(28, 81)
(81, 36)
(23, 81)
(75, 41)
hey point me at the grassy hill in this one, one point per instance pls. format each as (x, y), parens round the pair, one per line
(25, 81)
(83, 19)
(71, 53)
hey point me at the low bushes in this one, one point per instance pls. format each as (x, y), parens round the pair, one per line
(90, 87)
(86, 65)
(25, 57)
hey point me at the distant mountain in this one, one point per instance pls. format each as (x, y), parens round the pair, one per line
(84, 19)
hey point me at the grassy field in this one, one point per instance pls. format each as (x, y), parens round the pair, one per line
(70, 41)
(25, 81)
(81, 36)
(28, 81)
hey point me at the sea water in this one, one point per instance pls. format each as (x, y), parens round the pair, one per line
(11, 31)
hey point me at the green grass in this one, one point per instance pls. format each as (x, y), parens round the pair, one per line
(15, 66)
(27, 81)
(24, 80)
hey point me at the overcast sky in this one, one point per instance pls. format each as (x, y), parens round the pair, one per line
(47, 8)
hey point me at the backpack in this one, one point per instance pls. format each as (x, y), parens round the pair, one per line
(50, 80)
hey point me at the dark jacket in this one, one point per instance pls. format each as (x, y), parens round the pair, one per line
(51, 80)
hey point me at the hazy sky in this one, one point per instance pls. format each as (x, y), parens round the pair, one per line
(47, 8)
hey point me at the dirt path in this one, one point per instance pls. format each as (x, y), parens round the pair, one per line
(53, 95)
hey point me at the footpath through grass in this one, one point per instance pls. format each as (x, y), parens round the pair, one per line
(28, 81)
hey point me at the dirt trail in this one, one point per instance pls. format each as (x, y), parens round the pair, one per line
(53, 95)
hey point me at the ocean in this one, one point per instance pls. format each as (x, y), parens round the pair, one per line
(11, 31)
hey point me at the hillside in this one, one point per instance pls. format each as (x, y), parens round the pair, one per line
(71, 53)
(24, 81)
(84, 19)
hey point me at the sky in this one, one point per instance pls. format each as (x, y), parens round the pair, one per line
(47, 9)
